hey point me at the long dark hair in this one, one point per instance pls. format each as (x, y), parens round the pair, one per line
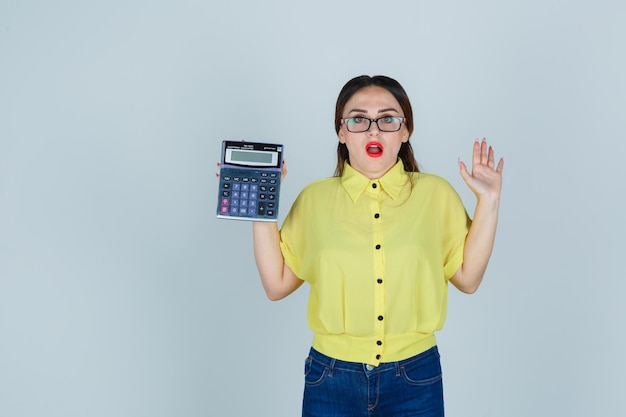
(394, 87)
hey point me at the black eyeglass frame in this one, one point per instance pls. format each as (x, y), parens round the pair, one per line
(344, 122)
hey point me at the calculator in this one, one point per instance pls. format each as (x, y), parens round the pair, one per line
(250, 174)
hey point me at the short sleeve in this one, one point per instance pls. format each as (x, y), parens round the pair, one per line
(455, 226)
(292, 240)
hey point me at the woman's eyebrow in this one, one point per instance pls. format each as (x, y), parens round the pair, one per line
(379, 111)
(389, 109)
(357, 111)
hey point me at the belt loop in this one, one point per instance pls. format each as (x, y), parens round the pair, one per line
(331, 366)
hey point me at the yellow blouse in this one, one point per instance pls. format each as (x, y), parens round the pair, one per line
(378, 255)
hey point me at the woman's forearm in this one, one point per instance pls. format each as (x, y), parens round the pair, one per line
(277, 278)
(478, 246)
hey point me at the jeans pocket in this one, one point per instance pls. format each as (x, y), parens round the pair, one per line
(423, 371)
(314, 372)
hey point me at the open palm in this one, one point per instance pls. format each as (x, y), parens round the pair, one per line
(484, 180)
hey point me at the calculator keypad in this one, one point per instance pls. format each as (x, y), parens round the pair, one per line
(248, 193)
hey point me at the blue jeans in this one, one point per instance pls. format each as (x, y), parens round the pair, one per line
(334, 388)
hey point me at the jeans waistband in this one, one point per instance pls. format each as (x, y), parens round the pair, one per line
(332, 363)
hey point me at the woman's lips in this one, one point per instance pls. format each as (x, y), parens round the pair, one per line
(374, 149)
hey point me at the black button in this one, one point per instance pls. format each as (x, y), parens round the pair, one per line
(377, 247)
(376, 215)
(374, 185)
(377, 356)
(379, 280)
(380, 318)
(378, 342)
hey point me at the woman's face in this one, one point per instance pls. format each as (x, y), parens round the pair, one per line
(373, 152)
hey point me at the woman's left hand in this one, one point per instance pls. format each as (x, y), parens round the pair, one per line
(484, 180)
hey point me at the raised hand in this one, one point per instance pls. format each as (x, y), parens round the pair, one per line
(484, 180)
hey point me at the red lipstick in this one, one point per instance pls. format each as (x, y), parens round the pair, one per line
(374, 149)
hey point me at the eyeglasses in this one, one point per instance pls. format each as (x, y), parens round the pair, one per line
(363, 124)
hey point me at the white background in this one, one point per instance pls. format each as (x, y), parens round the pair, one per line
(121, 294)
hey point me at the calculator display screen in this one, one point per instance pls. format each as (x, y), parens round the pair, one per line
(251, 157)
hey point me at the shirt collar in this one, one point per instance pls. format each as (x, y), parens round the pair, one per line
(392, 182)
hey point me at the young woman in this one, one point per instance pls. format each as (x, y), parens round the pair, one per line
(378, 243)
